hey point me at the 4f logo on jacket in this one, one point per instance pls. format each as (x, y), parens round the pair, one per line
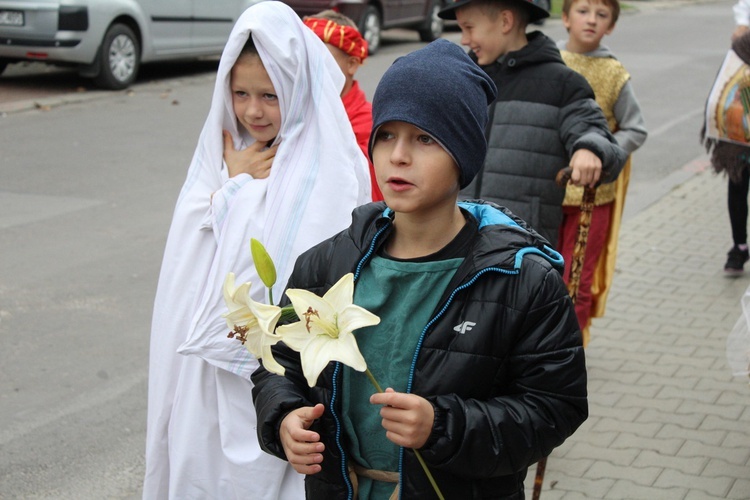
(464, 327)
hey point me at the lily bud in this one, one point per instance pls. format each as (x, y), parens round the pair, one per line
(263, 263)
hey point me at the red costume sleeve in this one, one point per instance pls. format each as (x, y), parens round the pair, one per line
(359, 111)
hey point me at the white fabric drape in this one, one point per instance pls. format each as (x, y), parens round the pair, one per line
(738, 342)
(201, 440)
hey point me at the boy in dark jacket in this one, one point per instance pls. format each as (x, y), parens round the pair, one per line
(478, 343)
(544, 119)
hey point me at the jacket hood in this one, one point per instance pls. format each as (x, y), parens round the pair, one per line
(540, 49)
(503, 241)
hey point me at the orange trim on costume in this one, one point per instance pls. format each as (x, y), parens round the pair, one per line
(345, 38)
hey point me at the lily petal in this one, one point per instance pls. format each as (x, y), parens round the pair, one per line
(267, 315)
(238, 317)
(270, 363)
(228, 288)
(353, 317)
(235, 297)
(242, 293)
(295, 335)
(302, 300)
(341, 294)
(347, 352)
(315, 358)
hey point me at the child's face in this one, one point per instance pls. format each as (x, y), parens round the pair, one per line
(482, 33)
(254, 99)
(587, 23)
(414, 172)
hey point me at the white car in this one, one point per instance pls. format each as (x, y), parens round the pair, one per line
(109, 39)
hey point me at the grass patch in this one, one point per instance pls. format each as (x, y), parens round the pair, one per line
(555, 8)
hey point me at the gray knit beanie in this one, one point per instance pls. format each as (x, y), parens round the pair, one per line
(441, 91)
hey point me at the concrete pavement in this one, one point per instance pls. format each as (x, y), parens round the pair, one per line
(667, 418)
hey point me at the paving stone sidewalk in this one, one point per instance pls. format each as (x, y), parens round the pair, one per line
(667, 418)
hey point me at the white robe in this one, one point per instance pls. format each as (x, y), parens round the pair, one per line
(201, 438)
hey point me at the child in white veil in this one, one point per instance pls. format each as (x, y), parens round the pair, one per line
(201, 437)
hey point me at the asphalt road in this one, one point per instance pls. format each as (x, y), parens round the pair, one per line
(88, 180)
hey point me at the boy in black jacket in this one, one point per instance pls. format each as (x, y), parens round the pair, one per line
(478, 344)
(544, 118)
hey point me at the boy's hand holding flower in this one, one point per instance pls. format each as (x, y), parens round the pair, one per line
(407, 418)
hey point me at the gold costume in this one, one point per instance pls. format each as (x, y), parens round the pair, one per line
(607, 77)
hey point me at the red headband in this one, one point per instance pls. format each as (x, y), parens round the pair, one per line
(345, 38)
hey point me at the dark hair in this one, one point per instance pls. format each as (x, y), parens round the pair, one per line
(249, 48)
(614, 5)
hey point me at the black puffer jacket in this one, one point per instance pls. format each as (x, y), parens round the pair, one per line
(544, 112)
(506, 390)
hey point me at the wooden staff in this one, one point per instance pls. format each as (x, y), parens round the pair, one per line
(576, 268)
(584, 223)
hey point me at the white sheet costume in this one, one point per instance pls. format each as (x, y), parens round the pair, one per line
(738, 342)
(201, 440)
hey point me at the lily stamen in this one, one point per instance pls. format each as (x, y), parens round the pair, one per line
(308, 317)
(240, 333)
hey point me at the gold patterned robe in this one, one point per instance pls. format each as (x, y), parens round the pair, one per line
(606, 76)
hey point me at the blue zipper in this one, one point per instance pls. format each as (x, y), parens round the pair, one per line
(370, 251)
(344, 472)
(337, 369)
(421, 340)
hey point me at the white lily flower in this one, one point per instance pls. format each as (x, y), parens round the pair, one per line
(252, 323)
(325, 330)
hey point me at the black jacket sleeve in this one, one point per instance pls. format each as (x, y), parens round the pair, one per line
(275, 396)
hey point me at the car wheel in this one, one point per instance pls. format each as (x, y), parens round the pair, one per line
(433, 25)
(370, 27)
(119, 58)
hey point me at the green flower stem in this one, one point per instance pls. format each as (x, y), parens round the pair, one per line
(429, 474)
(372, 379)
(288, 314)
(416, 452)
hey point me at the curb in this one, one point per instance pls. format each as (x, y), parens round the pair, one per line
(48, 103)
(641, 197)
